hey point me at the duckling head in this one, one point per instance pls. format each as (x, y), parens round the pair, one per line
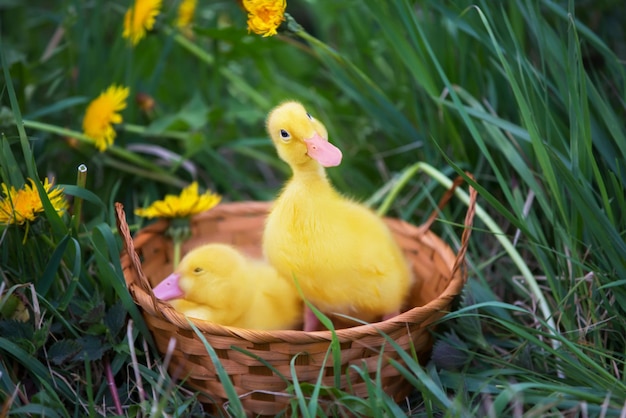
(207, 274)
(299, 138)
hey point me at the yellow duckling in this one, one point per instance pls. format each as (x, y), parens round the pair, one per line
(216, 283)
(342, 254)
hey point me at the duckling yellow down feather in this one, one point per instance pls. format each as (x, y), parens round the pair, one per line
(342, 254)
(216, 283)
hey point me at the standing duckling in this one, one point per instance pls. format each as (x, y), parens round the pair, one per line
(341, 253)
(216, 283)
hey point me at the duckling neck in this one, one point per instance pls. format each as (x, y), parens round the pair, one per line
(312, 178)
(308, 183)
(309, 173)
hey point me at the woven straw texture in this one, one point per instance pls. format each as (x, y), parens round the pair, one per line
(146, 260)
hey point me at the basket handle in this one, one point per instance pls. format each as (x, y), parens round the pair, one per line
(129, 247)
(459, 262)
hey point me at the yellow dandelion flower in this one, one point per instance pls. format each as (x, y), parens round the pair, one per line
(55, 195)
(102, 113)
(23, 205)
(13, 208)
(265, 16)
(139, 19)
(186, 11)
(188, 203)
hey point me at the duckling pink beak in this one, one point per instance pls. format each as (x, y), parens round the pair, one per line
(168, 288)
(323, 151)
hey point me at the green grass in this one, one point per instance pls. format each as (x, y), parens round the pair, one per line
(526, 95)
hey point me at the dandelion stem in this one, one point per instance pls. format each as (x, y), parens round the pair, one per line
(113, 149)
(148, 174)
(260, 100)
(319, 45)
(190, 46)
(177, 246)
(142, 130)
(125, 154)
(81, 181)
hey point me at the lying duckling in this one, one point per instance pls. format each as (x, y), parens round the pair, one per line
(341, 253)
(216, 283)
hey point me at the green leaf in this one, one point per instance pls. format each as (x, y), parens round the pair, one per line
(38, 410)
(39, 371)
(63, 350)
(94, 312)
(92, 348)
(115, 318)
(16, 330)
(72, 190)
(49, 275)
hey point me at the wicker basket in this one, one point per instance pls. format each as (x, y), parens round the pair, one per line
(147, 259)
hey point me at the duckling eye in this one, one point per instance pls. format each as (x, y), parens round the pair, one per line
(309, 116)
(198, 270)
(285, 135)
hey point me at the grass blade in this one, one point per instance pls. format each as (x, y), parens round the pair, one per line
(234, 404)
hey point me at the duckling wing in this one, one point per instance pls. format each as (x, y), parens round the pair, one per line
(276, 305)
(193, 310)
(351, 261)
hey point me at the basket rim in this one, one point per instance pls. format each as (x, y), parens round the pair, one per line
(157, 308)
